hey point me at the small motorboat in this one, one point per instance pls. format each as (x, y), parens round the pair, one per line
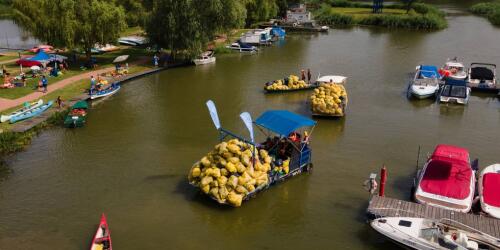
(111, 90)
(205, 58)
(102, 238)
(31, 113)
(427, 234)
(242, 47)
(447, 180)
(454, 91)
(483, 76)
(453, 69)
(27, 107)
(489, 185)
(77, 115)
(426, 82)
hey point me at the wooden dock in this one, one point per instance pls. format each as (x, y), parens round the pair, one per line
(389, 207)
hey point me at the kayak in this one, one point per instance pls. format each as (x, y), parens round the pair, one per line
(31, 113)
(105, 92)
(21, 111)
(102, 237)
(77, 116)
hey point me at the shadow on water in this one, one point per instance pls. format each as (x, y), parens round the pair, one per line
(423, 103)
(192, 194)
(5, 171)
(451, 109)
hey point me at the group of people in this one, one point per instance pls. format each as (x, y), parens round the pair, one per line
(285, 147)
(303, 75)
(42, 83)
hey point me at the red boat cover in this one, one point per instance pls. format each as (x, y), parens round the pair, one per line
(448, 173)
(491, 187)
(446, 152)
(28, 63)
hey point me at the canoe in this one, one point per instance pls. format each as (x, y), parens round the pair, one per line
(311, 86)
(32, 113)
(105, 92)
(77, 116)
(102, 237)
(21, 111)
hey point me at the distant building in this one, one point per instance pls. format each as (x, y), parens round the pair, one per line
(298, 13)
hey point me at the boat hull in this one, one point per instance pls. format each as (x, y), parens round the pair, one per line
(493, 211)
(32, 113)
(423, 93)
(104, 93)
(204, 61)
(102, 237)
(399, 237)
(5, 118)
(74, 121)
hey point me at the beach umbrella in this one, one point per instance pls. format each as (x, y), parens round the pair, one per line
(120, 59)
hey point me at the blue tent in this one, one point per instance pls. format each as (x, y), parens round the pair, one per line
(283, 122)
(41, 57)
(429, 71)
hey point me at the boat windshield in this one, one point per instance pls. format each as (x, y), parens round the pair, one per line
(454, 91)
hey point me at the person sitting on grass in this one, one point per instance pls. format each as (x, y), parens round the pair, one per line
(7, 82)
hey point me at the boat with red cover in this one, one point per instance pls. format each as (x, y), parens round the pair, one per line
(489, 186)
(447, 180)
(102, 238)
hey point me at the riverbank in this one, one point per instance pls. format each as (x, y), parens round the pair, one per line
(419, 17)
(490, 10)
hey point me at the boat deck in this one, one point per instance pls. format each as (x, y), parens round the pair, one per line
(390, 207)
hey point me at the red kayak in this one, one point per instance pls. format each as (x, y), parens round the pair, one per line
(102, 238)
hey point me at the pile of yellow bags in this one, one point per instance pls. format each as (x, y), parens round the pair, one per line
(293, 83)
(285, 168)
(327, 99)
(227, 173)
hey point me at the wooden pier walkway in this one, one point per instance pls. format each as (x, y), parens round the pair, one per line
(389, 207)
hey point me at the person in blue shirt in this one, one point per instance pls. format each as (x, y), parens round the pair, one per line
(45, 83)
(155, 60)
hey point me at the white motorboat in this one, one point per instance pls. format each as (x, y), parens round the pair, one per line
(453, 69)
(205, 58)
(257, 37)
(426, 82)
(426, 234)
(27, 107)
(242, 47)
(331, 79)
(447, 180)
(454, 91)
(483, 76)
(489, 185)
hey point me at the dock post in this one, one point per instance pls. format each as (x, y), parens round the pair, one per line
(383, 178)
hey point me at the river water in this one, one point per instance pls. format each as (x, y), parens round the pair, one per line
(132, 158)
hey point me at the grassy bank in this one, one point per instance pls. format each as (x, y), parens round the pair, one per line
(345, 13)
(490, 10)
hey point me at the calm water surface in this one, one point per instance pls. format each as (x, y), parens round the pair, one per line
(132, 158)
(14, 37)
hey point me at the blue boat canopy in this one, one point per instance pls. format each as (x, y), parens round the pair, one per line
(283, 122)
(429, 71)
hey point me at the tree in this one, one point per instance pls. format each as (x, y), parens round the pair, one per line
(260, 10)
(217, 16)
(71, 23)
(136, 11)
(409, 4)
(174, 25)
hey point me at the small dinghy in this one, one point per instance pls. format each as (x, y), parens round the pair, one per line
(102, 238)
(77, 115)
(105, 92)
(447, 180)
(27, 107)
(489, 186)
(426, 82)
(31, 113)
(426, 234)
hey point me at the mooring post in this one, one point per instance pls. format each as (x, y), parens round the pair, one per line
(383, 178)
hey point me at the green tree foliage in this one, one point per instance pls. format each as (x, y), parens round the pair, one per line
(260, 10)
(71, 23)
(187, 25)
(491, 10)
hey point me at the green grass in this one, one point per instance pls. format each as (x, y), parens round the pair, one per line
(5, 11)
(490, 10)
(132, 31)
(345, 13)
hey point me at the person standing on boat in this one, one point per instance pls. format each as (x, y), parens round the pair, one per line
(45, 83)
(92, 84)
(309, 75)
(303, 75)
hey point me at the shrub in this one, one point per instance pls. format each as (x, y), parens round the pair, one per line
(490, 10)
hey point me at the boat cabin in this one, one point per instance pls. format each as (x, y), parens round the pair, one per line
(298, 14)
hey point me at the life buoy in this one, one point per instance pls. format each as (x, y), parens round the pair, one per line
(294, 24)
